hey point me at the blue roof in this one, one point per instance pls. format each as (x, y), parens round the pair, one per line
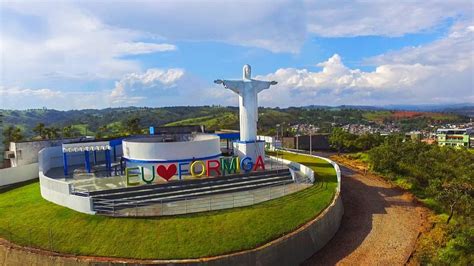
(230, 135)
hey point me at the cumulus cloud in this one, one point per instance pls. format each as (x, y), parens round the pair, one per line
(165, 87)
(135, 87)
(424, 74)
(335, 75)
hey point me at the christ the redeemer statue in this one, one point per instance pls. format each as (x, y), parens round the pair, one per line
(247, 89)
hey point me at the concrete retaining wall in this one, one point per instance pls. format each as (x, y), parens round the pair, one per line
(296, 247)
(54, 155)
(12, 175)
(58, 191)
(26, 152)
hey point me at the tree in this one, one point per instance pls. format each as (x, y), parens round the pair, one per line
(368, 141)
(336, 139)
(454, 195)
(101, 132)
(12, 134)
(132, 126)
(52, 132)
(68, 131)
(40, 129)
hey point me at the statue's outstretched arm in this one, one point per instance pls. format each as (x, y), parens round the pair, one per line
(233, 85)
(261, 85)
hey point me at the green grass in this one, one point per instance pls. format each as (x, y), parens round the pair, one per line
(225, 120)
(82, 128)
(27, 216)
(377, 115)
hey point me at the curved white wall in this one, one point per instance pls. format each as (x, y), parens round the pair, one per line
(143, 149)
(58, 191)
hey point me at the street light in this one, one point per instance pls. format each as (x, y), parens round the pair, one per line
(277, 126)
(297, 141)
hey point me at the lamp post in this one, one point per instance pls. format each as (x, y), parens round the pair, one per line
(310, 144)
(297, 141)
(277, 127)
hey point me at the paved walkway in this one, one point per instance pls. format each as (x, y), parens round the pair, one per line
(379, 227)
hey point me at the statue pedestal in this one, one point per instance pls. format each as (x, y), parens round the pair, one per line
(251, 149)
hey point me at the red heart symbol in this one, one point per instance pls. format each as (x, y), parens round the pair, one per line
(166, 173)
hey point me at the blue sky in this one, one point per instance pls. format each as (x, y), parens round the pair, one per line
(84, 54)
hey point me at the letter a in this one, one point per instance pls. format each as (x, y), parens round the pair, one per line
(259, 163)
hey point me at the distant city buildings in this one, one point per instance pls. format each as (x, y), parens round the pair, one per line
(304, 129)
(455, 137)
(359, 129)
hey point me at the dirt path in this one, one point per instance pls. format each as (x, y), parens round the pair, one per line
(380, 224)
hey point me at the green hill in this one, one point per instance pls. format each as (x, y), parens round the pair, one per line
(113, 121)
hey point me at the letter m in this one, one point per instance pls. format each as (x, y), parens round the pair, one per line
(229, 165)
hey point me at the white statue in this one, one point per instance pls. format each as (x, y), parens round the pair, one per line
(247, 89)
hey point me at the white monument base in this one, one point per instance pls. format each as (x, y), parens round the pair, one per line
(250, 149)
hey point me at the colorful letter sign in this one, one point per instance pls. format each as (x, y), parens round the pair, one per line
(223, 166)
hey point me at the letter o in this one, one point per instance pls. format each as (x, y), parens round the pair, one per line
(191, 169)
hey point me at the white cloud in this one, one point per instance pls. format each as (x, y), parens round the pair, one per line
(282, 25)
(278, 26)
(439, 72)
(65, 43)
(135, 87)
(382, 18)
(455, 51)
(40, 41)
(19, 93)
(10, 97)
(143, 48)
(166, 87)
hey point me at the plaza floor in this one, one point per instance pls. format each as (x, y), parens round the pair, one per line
(99, 180)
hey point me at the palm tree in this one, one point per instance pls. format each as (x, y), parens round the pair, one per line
(52, 132)
(41, 130)
(12, 134)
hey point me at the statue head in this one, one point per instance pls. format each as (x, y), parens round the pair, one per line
(247, 72)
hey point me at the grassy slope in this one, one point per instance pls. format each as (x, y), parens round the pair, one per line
(24, 213)
(225, 120)
(379, 116)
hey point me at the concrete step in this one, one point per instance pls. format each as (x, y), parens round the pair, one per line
(195, 190)
(180, 183)
(109, 205)
(184, 186)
